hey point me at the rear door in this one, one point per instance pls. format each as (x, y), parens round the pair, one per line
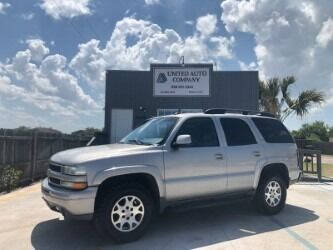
(281, 147)
(243, 153)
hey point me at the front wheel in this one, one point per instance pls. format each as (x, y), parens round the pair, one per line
(125, 213)
(271, 195)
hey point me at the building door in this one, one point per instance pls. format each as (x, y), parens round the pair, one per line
(121, 123)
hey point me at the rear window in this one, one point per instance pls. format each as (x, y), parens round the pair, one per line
(273, 130)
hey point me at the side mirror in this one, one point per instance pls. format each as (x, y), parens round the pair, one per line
(182, 140)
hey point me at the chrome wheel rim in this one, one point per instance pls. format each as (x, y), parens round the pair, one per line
(127, 213)
(273, 193)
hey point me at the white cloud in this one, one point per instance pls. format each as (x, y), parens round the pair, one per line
(37, 49)
(189, 22)
(28, 16)
(58, 9)
(326, 33)
(3, 7)
(309, 10)
(151, 2)
(247, 67)
(49, 86)
(287, 34)
(293, 37)
(206, 25)
(134, 44)
(44, 84)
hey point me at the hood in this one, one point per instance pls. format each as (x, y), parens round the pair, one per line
(86, 154)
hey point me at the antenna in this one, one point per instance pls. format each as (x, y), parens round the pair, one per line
(182, 60)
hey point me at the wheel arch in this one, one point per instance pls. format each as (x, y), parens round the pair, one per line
(273, 168)
(145, 179)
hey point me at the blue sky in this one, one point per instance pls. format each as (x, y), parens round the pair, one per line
(53, 53)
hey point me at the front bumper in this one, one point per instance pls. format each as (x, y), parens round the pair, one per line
(77, 204)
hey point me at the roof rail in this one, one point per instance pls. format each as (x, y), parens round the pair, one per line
(239, 111)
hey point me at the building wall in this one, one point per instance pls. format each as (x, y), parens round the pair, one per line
(134, 89)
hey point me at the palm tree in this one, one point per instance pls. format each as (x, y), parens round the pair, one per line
(274, 97)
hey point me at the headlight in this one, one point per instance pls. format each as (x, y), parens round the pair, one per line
(73, 170)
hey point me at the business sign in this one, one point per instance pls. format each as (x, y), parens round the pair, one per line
(181, 81)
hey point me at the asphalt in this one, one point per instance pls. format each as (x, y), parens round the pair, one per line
(305, 223)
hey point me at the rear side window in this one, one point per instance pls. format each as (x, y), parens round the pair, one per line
(273, 130)
(237, 132)
(202, 131)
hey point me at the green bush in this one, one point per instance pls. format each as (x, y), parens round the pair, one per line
(9, 178)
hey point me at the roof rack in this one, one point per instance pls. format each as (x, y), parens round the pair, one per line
(239, 111)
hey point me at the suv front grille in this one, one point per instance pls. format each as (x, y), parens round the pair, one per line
(55, 168)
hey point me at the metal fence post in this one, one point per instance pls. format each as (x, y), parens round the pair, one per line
(319, 167)
(4, 151)
(13, 153)
(300, 158)
(34, 155)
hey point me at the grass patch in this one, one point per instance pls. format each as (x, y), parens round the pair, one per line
(9, 178)
(326, 169)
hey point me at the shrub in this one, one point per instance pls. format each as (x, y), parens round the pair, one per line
(9, 178)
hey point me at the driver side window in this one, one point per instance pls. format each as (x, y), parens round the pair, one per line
(202, 131)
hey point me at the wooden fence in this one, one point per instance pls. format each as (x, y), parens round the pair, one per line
(326, 148)
(32, 153)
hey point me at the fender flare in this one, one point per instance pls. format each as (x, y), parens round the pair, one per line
(261, 167)
(153, 171)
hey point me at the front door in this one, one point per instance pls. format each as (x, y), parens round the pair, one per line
(197, 169)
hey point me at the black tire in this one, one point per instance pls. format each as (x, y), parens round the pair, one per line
(102, 217)
(260, 199)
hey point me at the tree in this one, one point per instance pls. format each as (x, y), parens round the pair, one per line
(316, 131)
(330, 132)
(275, 97)
(88, 132)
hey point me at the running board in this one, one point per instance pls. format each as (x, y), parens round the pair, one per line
(185, 205)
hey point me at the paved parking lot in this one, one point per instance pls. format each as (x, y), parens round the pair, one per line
(305, 223)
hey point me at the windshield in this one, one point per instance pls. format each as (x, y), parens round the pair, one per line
(155, 131)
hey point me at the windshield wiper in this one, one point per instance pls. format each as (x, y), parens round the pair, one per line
(138, 142)
(135, 141)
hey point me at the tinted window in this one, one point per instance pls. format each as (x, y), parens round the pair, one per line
(237, 132)
(273, 130)
(202, 131)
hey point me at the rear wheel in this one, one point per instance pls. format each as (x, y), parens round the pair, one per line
(271, 195)
(125, 213)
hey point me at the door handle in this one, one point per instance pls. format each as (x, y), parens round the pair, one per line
(219, 156)
(256, 153)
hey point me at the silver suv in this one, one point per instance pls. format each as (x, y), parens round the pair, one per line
(172, 159)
